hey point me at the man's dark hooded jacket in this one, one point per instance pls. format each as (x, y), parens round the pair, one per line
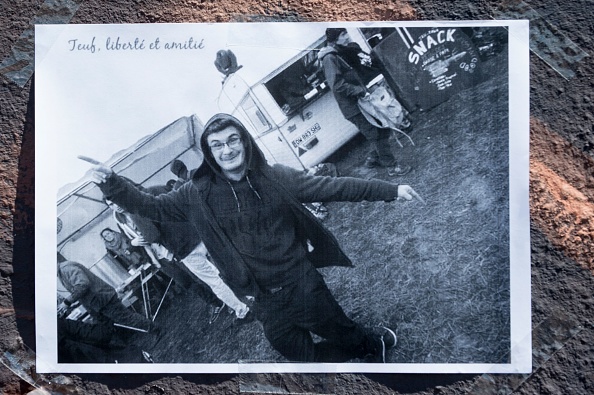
(347, 76)
(189, 203)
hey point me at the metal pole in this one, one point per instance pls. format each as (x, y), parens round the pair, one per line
(130, 327)
(162, 299)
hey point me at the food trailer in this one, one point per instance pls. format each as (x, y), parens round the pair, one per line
(287, 105)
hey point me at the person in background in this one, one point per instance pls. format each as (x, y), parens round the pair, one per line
(266, 245)
(140, 231)
(348, 70)
(174, 243)
(169, 186)
(98, 297)
(180, 170)
(95, 342)
(120, 248)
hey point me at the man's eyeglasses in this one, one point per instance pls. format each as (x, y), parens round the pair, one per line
(232, 142)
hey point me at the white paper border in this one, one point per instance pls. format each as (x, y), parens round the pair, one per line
(45, 235)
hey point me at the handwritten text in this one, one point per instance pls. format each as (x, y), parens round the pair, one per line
(121, 44)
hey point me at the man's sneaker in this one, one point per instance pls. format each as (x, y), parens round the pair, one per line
(399, 170)
(319, 213)
(147, 357)
(372, 162)
(215, 312)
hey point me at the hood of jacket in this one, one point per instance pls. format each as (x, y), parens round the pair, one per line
(253, 155)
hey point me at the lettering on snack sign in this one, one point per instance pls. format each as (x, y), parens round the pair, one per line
(426, 42)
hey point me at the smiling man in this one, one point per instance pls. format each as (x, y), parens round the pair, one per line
(228, 152)
(266, 245)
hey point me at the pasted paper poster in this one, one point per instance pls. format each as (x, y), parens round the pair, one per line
(334, 229)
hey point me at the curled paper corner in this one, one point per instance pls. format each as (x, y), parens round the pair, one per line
(18, 66)
(549, 336)
(22, 364)
(546, 40)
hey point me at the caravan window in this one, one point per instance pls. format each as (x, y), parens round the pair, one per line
(299, 83)
(254, 116)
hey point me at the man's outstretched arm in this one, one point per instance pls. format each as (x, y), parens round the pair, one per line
(162, 208)
(307, 188)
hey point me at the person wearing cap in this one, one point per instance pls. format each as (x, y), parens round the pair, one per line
(348, 70)
(267, 246)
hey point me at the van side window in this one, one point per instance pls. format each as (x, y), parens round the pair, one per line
(252, 113)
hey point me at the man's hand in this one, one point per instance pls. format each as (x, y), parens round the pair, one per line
(139, 241)
(407, 193)
(99, 172)
(62, 308)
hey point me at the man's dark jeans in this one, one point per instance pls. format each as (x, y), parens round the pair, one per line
(381, 150)
(291, 313)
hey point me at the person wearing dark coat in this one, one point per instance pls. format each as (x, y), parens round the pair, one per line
(266, 245)
(348, 70)
(98, 297)
(178, 241)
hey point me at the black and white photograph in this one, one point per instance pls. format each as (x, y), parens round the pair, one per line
(283, 197)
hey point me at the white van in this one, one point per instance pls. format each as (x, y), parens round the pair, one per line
(290, 111)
